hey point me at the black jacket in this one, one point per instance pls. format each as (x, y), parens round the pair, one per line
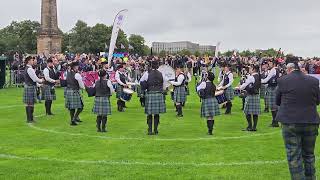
(298, 96)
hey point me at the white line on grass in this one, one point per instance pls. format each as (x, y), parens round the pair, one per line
(127, 162)
(156, 139)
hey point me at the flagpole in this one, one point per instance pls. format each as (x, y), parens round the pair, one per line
(114, 35)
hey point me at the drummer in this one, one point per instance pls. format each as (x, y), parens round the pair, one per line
(209, 106)
(226, 85)
(188, 80)
(121, 78)
(180, 93)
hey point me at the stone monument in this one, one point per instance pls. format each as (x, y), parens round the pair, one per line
(49, 36)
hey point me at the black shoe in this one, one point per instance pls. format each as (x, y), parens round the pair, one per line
(254, 130)
(73, 123)
(266, 110)
(150, 133)
(78, 120)
(247, 129)
(274, 125)
(179, 115)
(210, 133)
(103, 130)
(156, 132)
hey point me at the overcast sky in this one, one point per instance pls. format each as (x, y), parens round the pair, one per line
(293, 25)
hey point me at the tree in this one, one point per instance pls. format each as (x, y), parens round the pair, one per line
(80, 38)
(99, 35)
(162, 54)
(197, 53)
(19, 36)
(137, 42)
(184, 52)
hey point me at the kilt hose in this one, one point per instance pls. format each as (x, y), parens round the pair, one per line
(29, 95)
(119, 91)
(102, 106)
(263, 91)
(209, 107)
(155, 103)
(73, 100)
(48, 93)
(180, 94)
(252, 105)
(188, 90)
(300, 141)
(229, 93)
(271, 98)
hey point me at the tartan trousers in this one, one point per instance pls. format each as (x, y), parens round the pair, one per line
(300, 140)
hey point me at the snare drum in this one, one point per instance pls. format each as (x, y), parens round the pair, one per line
(221, 98)
(237, 92)
(126, 94)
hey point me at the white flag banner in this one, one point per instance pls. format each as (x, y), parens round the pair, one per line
(117, 24)
(217, 49)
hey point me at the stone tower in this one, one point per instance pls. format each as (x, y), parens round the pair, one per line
(49, 37)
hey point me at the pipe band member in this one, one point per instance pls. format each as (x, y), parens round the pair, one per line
(210, 105)
(30, 86)
(102, 106)
(252, 107)
(180, 93)
(271, 81)
(74, 102)
(152, 82)
(48, 90)
(226, 85)
(121, 79)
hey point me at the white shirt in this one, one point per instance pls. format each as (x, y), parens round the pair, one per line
(146, 75)
(250, 79)
(117, 77)
(271, 74)
(230, 76)
(47, 76)
(32, 74)
(201, 86)
(189, 77)
(78, 77)
(179, 80)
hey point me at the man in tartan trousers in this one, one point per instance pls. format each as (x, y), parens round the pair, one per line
(153, 82)
(48, 91)
(271, 80)
(30, 85)
(252, 102)
(298, 97)
(210, 105)
(73, 98)
(180, 93)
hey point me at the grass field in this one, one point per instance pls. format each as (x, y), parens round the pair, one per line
(51, 149)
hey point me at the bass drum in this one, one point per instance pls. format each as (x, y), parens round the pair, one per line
(168, 73)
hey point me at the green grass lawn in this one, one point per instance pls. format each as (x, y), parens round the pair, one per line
(51, 149)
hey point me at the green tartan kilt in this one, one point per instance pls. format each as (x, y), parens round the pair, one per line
(48, 93)
(262, 91)
(252, 105)
(229, 93)
(209, 107)
(29, 95)
(73, 99)
(102, 106)
(155, 103)
(119, 91)
(271, 98)
(180, 94)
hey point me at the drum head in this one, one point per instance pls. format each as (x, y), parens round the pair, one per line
(128, 91)
(168, 73)
(218, 93)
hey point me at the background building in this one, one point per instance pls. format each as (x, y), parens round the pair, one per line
(174, 47)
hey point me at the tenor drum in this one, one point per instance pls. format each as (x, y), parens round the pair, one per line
(221, 98)
(126, 94)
